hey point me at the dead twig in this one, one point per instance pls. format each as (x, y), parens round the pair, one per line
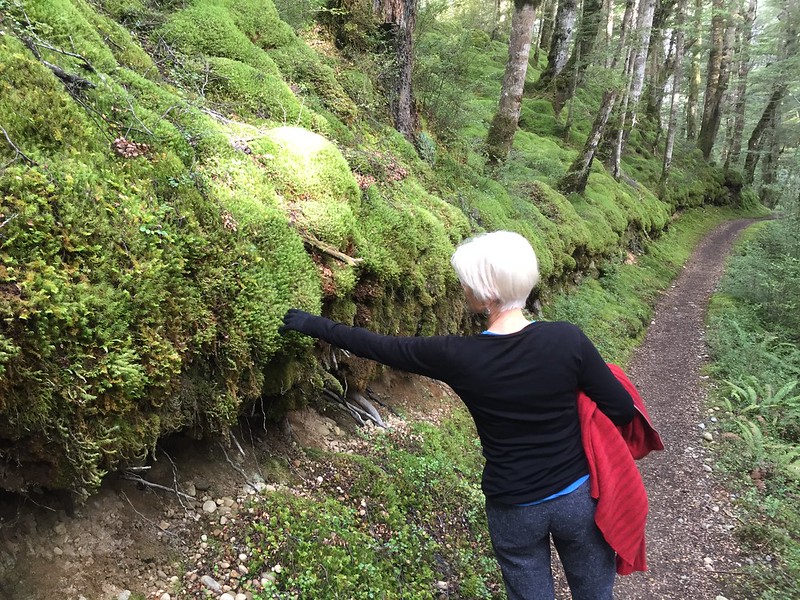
(19, 153)
(312, 240)
(150, 521)
(175, 480)
(141, 480)
(238, 469)
(85, 63)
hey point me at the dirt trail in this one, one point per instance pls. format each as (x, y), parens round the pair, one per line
(691, 551)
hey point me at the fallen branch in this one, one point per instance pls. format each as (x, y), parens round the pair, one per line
(86, 64)
(67, 78)
(311, 240)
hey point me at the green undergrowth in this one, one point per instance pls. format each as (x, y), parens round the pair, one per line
(201, 168)
(753, 334)
(400, 518)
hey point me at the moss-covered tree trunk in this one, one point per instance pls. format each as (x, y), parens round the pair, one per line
(578, 173)
(504, 124)
(695, 77)
(676, 88)
(546, 28)
(718, 75)
(659, 66)
(400, 17)
(745, 34)
(562, 37)
(572, 74)
(755, 144)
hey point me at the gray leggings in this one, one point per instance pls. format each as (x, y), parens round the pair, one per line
(521, 540)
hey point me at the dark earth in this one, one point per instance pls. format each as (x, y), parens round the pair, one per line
(135, 537)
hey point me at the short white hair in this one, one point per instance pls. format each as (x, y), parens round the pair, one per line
(499, 269)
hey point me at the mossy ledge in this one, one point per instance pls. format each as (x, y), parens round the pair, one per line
(203, 171)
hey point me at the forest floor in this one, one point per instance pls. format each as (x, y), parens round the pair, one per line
(137, 538)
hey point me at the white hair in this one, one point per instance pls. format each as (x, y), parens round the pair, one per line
(499, 269)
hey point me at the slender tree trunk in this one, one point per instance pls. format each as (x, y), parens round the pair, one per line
(695, 79)
(631, 99)
(496, 28)
(562, 37)
(769, 168)
(504, 124)
(756, 144)
(659, 66)
(722, 36)
(608, 32)
(548, 22)
(735, 143)
(401, 16)
(578, 173)
(676, 89)
(573, 72)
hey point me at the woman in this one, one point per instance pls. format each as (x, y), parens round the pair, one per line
(519, 379)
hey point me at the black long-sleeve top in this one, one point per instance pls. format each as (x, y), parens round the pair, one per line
(520, 388)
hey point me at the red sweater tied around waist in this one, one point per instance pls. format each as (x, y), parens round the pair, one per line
(615, 480)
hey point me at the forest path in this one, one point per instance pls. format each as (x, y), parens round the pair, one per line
(691, 552)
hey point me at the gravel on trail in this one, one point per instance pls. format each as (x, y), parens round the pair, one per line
(691, 551)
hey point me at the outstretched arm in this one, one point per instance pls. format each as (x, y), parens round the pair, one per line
(421, 355)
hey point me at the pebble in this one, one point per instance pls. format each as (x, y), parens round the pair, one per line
(708, 560)
(707, 468)
(124, 595)
(708, 437)
(202, 485)
(226, 596)
(240, 597)
(720, 598)
(210, 583)
(58, 551)
(165, 596)
(191, 489)
(243, 557)
(223, 520)
(209, 506)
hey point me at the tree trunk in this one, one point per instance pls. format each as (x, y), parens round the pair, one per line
(578, 173)
(504, 124)
(562, 36)
(659, 67)
(735, 142)
(756, 142)
(631, 100)
(548, 22)
(722, 36)
(608, 32)
(572, 74)
(767, 194)
(676, 89)
(695, 78)
(400, 17)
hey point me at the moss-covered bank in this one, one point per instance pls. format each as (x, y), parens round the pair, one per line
(176, 175)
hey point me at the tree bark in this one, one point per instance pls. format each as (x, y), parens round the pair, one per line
(734, 150)
(562, 36)
(608, 32)
(578, 173)
(504, 124)
(722, 36)
(572, 74)
(756, 142)
(769, 169)
(695, 78)
(546, 35)
(631, 99)
(659, 66)
(676, 88)
(400, 17)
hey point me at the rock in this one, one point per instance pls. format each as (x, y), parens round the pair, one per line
(708, 437)
(708, 560)
(223, 520)
(243, 557)
(124, 595)
(707, 468)
(191, 489)
(211, 583)
(720, 598)
(202, 485)
(240, 597)
(165, 596)
(58, 551)
(226, 596)
(60, 529)
(209, 506)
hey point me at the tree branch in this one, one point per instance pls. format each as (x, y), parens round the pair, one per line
(19, 152)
